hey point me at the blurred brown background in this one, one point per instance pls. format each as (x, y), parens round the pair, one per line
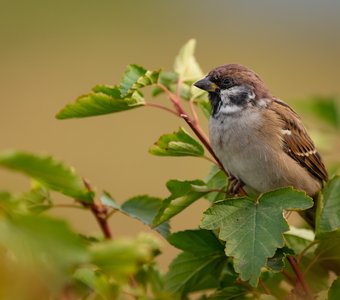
(53, 51)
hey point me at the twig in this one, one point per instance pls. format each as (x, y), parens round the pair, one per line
(68, 206)
(193, 111)
(161, 107)
(300, 278)
(264, 287)
(303, 252)
(100, 212)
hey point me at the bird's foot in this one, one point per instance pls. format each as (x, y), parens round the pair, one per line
(235, 186)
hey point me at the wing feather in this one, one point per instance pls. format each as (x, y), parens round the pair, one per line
(297, 142)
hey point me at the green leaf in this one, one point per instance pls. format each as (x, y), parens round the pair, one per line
(185, 63)
(36, 241)
(277, 262)
(325, 108)
(150, 276)
(145, 208)
(48, 171)
(198, 242)
(253, 230)
(205, 106)
(189, 273)
(37, 199)
(96, 281)
(334, 291)
(104, 100)
(298, 238)
(216, 180)
(230, 293)
(167, 79)
(177, 144)
(327, 251)
(183, 193)
(122, 258)
(136, 77)
(107, 200)
(328, 215)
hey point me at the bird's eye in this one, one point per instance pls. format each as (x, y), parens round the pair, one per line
(226, 82)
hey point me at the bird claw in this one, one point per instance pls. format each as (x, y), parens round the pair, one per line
(235, 185)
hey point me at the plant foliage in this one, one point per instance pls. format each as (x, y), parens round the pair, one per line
(243, 248)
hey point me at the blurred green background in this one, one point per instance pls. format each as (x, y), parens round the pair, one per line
(53, 51)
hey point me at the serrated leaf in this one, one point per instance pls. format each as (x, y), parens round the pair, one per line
(136, 77)
(253, 230)
(189, 273)
(185, 63)
(216, 180)
(145, 209)
(177, 144)
(183, 193)
(107, 200)
(198, 242)
(334, 291)
(106, 101)
(167, 79)
(328, 215)
(48, 171)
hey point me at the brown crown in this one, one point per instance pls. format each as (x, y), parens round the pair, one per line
(241, 75)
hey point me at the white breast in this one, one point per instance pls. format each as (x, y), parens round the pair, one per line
(241, 151)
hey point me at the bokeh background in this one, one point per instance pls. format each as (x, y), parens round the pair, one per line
(53, 51)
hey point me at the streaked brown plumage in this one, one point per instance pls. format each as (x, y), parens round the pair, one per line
(258, 138)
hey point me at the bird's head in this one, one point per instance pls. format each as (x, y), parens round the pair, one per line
(232, 88)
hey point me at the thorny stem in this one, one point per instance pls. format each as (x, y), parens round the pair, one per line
(100, 212)
(300, 278)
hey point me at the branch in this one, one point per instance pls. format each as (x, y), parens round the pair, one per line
(300, 278)
(100, 212)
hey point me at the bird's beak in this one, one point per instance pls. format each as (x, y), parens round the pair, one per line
(206, 85)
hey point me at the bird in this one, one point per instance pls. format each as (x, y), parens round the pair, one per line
(259, 138)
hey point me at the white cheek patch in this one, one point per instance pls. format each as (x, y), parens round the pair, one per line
(224, 94)
(230, 109)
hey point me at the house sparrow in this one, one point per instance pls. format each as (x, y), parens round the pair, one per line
(258, 138)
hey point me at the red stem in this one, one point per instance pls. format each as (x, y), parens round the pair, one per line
(300, 277)
(264, 287)
(193, 124)
(100, 212)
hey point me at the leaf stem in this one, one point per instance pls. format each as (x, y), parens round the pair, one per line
(67, 206)
(300, 278)
(303, 252)
(193, 111)
(264, 287)
(161, 107)
(100, 212)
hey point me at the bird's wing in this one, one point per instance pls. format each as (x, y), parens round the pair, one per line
(297, 142)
